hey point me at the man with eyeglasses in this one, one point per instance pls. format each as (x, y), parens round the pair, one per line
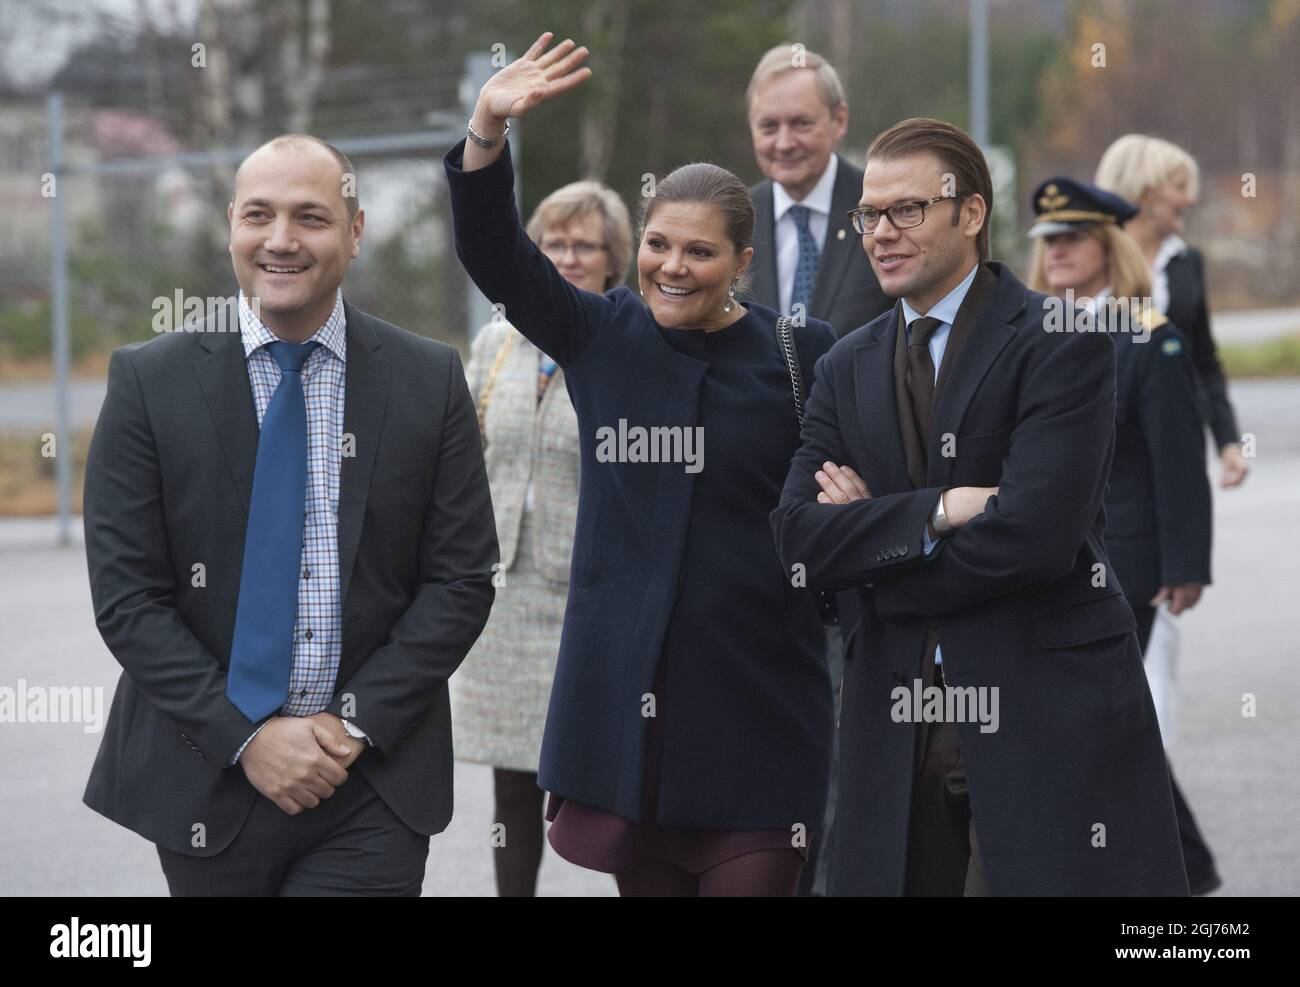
(998, 736)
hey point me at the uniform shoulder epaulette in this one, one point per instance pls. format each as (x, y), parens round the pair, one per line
(1151, 320)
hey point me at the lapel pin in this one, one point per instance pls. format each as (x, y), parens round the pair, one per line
(839, 234)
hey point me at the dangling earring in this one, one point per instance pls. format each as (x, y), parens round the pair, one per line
(731, 298)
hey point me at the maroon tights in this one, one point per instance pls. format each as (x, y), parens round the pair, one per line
(763, 873)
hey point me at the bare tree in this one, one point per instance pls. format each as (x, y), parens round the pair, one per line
(303, 51)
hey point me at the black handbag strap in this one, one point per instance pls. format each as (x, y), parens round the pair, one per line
(785, 339)
(827, 605)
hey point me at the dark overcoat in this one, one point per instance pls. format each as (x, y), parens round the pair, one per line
(748, 728)
(1070, 794)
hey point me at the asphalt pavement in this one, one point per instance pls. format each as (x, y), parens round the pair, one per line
(1238, 771)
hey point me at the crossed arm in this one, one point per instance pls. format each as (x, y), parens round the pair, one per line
(829, 521)
(1030, 530)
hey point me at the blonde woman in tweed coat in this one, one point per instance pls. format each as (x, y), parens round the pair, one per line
(530, 437)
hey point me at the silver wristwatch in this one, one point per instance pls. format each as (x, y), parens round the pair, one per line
(939, 520)
(355, 731)
(486, 142)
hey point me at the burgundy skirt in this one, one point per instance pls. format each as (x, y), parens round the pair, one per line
(602, 841)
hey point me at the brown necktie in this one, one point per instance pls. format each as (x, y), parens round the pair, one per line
(920, 375)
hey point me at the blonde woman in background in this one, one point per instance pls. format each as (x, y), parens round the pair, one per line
(1163, 181)
(530, 437)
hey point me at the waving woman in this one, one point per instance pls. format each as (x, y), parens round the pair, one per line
(687, 742)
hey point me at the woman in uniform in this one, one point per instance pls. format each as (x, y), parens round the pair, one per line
(1158, 500)
(687, 746)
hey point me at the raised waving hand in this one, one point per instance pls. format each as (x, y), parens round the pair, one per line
(534, 77)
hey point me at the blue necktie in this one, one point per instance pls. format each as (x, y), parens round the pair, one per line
(261, 655)
(805, 272)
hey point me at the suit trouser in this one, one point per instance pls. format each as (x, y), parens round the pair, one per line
(815, 872)
(350, 844)
(1197, 858)
(943, 856)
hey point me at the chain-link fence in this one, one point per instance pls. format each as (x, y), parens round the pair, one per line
(121, 234)
(141, 233)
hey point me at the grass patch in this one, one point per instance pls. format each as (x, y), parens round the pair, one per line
(1276, 358)
(27, 476)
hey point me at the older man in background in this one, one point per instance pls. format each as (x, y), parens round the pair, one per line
(807, 259)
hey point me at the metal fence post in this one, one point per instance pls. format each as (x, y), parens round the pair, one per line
(59, 316)
(478, 69)
(979, 72)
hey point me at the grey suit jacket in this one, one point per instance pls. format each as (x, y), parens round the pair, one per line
(846, 293)
(168, 482)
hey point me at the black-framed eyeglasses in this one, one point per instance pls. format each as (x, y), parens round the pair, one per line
(903, 215)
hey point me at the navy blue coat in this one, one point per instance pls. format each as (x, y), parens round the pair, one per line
(666, 561)
(1013, 598)
(1158, 510)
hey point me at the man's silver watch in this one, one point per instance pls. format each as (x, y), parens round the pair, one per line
(355, 731)
(939, 520)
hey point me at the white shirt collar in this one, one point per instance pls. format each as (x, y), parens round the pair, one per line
(818, 200)
(1170, 247)
(945, 310)
(255, 334)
